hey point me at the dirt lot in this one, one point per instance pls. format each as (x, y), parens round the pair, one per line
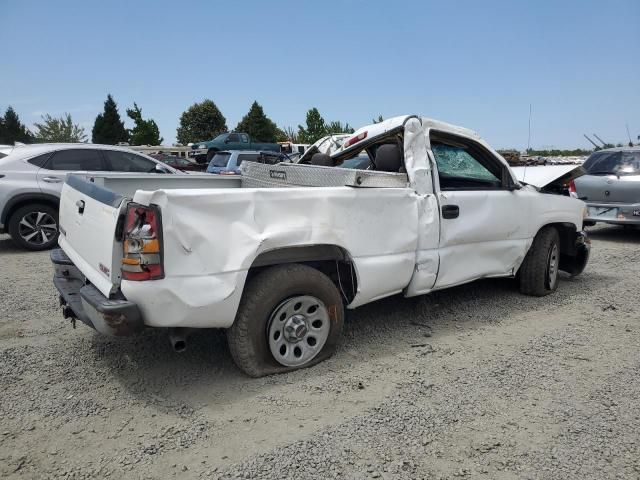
(477, 381)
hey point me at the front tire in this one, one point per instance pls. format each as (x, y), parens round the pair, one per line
(290, 317)
(539, 271)
(34, 227)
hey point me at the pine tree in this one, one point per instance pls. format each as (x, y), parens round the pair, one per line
(201, 121)
(12, 130)
(315, 129)
(145, 132)
(108, 127)
(258, 125)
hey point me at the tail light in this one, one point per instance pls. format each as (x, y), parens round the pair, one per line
(572, 187)
(356, 139)
(142, 244)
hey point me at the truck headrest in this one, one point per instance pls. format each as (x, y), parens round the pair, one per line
(388, 158)
(322, 159)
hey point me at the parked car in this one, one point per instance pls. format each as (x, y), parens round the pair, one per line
(229, 162)
(203, 152)
(611, 186)
(31, 178)
(179, 163)
(277, 266)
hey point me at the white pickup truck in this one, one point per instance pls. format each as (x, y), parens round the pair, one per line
(276, 255)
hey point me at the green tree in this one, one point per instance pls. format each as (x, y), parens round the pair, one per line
(201, 121)
(108, 128)
(258, 125)
(12, 130)
(144, 132)
(59, 130)
(338, 127)
(315, 129)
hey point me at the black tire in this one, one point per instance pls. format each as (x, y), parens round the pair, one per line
(20, 233)
(539, 271)
(263, 295)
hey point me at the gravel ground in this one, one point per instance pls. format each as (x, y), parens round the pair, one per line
(477, 382)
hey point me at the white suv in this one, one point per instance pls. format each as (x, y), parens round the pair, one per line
(31, 179)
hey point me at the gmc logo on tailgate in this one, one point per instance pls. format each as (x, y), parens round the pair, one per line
(278, 174)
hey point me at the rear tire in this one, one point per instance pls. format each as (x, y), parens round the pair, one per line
(538, 273)
(257, 338)
(34, 227)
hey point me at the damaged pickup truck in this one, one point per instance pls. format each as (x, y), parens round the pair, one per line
(275, 256)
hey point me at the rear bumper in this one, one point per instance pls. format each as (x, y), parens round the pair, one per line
(614, 213)
(82, 301)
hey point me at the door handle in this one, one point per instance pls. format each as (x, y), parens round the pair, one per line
(450, 211)
(80, 205)
(51, 179)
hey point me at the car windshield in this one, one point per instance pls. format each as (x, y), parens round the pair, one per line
(619, 163)
(220, 160)
(220, 137)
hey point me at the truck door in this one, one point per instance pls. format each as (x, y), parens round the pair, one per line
(233, 142)
(483, 218)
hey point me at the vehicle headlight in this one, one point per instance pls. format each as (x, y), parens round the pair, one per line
(585, 212)
(202, 145)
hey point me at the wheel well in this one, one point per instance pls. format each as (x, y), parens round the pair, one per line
(21, 201)
(335, 262)
(567, 233)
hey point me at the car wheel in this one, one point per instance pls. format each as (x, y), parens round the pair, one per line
(34, 227)
(290, 317)
(539, 271)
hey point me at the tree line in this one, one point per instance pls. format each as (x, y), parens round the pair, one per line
(201, 121)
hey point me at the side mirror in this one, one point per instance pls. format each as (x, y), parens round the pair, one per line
(508, 182)
(226, 140)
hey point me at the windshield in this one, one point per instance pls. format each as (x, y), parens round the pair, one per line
(220, 137)
(220, 160)
(619, 163)
(361, 162)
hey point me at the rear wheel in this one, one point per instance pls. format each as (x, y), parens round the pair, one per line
(290, 317)
(34, 227)
(539, 271)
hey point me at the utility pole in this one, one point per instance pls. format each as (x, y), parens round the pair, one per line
(529, 140)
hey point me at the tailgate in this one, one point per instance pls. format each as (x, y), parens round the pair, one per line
(89, 216)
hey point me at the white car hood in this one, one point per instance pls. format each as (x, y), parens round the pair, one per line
(543, 176)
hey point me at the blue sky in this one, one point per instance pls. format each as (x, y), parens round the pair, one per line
(474, 63)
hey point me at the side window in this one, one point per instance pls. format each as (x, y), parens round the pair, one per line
(465, 167)
(76, 160)
(40, 160)
(246, 157)
(233, 137)
(129, 162)
(244, 137)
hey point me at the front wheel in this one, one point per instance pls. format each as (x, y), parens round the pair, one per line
(34, 227)
(539, 271)
(290, 317)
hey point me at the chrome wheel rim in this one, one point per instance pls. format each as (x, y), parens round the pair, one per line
(552, 266)
(37, 228)
(297, 330)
